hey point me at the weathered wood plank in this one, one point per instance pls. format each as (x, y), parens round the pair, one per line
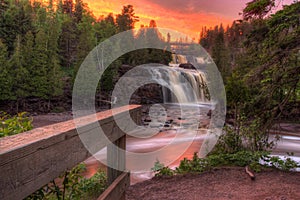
(30, 160)
(23, 139)
(117, 189)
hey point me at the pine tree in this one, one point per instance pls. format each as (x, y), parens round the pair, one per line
(40, 60)
(79, 11)
(68, 42)
(105, 28)
(54, 74)
(20, 85)
(6, 77)
(257, 9)
(127, 19)
(15, 20)
(220, 52)
(87, 38)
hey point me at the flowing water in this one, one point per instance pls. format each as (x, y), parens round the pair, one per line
(178, 126)
(177, 138)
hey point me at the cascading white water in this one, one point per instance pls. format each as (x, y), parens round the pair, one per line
(181, 85)
(184, 86)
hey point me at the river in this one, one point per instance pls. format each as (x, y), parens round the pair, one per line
(181, 143)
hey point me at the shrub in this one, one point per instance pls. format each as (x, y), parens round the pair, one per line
(11, 125)
(240, 159)
(160, 170)
(74, 186)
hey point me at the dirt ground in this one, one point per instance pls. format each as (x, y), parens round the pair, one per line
(51, 118)
(220, 184)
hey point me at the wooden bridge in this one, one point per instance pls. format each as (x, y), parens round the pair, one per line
(32, 159)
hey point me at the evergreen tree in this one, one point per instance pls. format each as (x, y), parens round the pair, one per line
(105, 28)
(87, 39)
(79, 11)
(20, 85)
(219, 51)
(68, 42)
(54, 68)
(127, 19)
(110, 19)
(28, 51)
(68, 7)
(257, 9)
(39, 74)
(15, 20)
(6, 77)
(4, 5)
(140, 56)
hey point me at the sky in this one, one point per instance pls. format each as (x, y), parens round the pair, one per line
(186, 16)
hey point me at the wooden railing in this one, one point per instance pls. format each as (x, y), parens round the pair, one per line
(32, 159)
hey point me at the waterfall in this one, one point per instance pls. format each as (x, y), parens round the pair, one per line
(181, 85)
(177, 85)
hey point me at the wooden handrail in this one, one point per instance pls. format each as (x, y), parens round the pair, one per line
(32, 159)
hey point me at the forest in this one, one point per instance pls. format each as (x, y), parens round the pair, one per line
(42, 46)
(259, 59)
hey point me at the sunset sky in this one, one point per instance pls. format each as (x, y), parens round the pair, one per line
(187, 16)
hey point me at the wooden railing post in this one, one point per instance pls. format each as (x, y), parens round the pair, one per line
(116, 167)
(116, 159)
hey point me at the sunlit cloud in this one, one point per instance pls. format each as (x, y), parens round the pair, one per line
(187, 16)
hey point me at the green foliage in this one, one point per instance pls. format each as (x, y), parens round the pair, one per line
(109, 76)
(157, 166)
(229, 142)
(240, 159)
(11, 125)
(216, 43)
(196, 165)
(73, 186)
(275, 73)
(6, 77)
(160, 170)
(30, 52)
(14, 20)
(283, 164)
(149, 37)
(93, 186)
(264, 86)
(20, 85)
(126, 20)
(68, 42)
(42, 46)
(258, 9)
(237, 92)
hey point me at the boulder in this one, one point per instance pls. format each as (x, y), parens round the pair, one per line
(187, 66)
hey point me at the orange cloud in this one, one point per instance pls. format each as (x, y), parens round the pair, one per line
(187, 20)
(187, 16)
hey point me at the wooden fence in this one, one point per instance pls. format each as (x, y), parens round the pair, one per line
(32, 159)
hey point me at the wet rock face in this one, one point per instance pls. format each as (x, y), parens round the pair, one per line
(187, 66)
(148, 94)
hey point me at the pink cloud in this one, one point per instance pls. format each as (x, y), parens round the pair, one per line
(187, 16)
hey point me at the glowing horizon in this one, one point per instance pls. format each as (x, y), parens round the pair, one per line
(187, 17)
(184, 16)
(188, 23)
